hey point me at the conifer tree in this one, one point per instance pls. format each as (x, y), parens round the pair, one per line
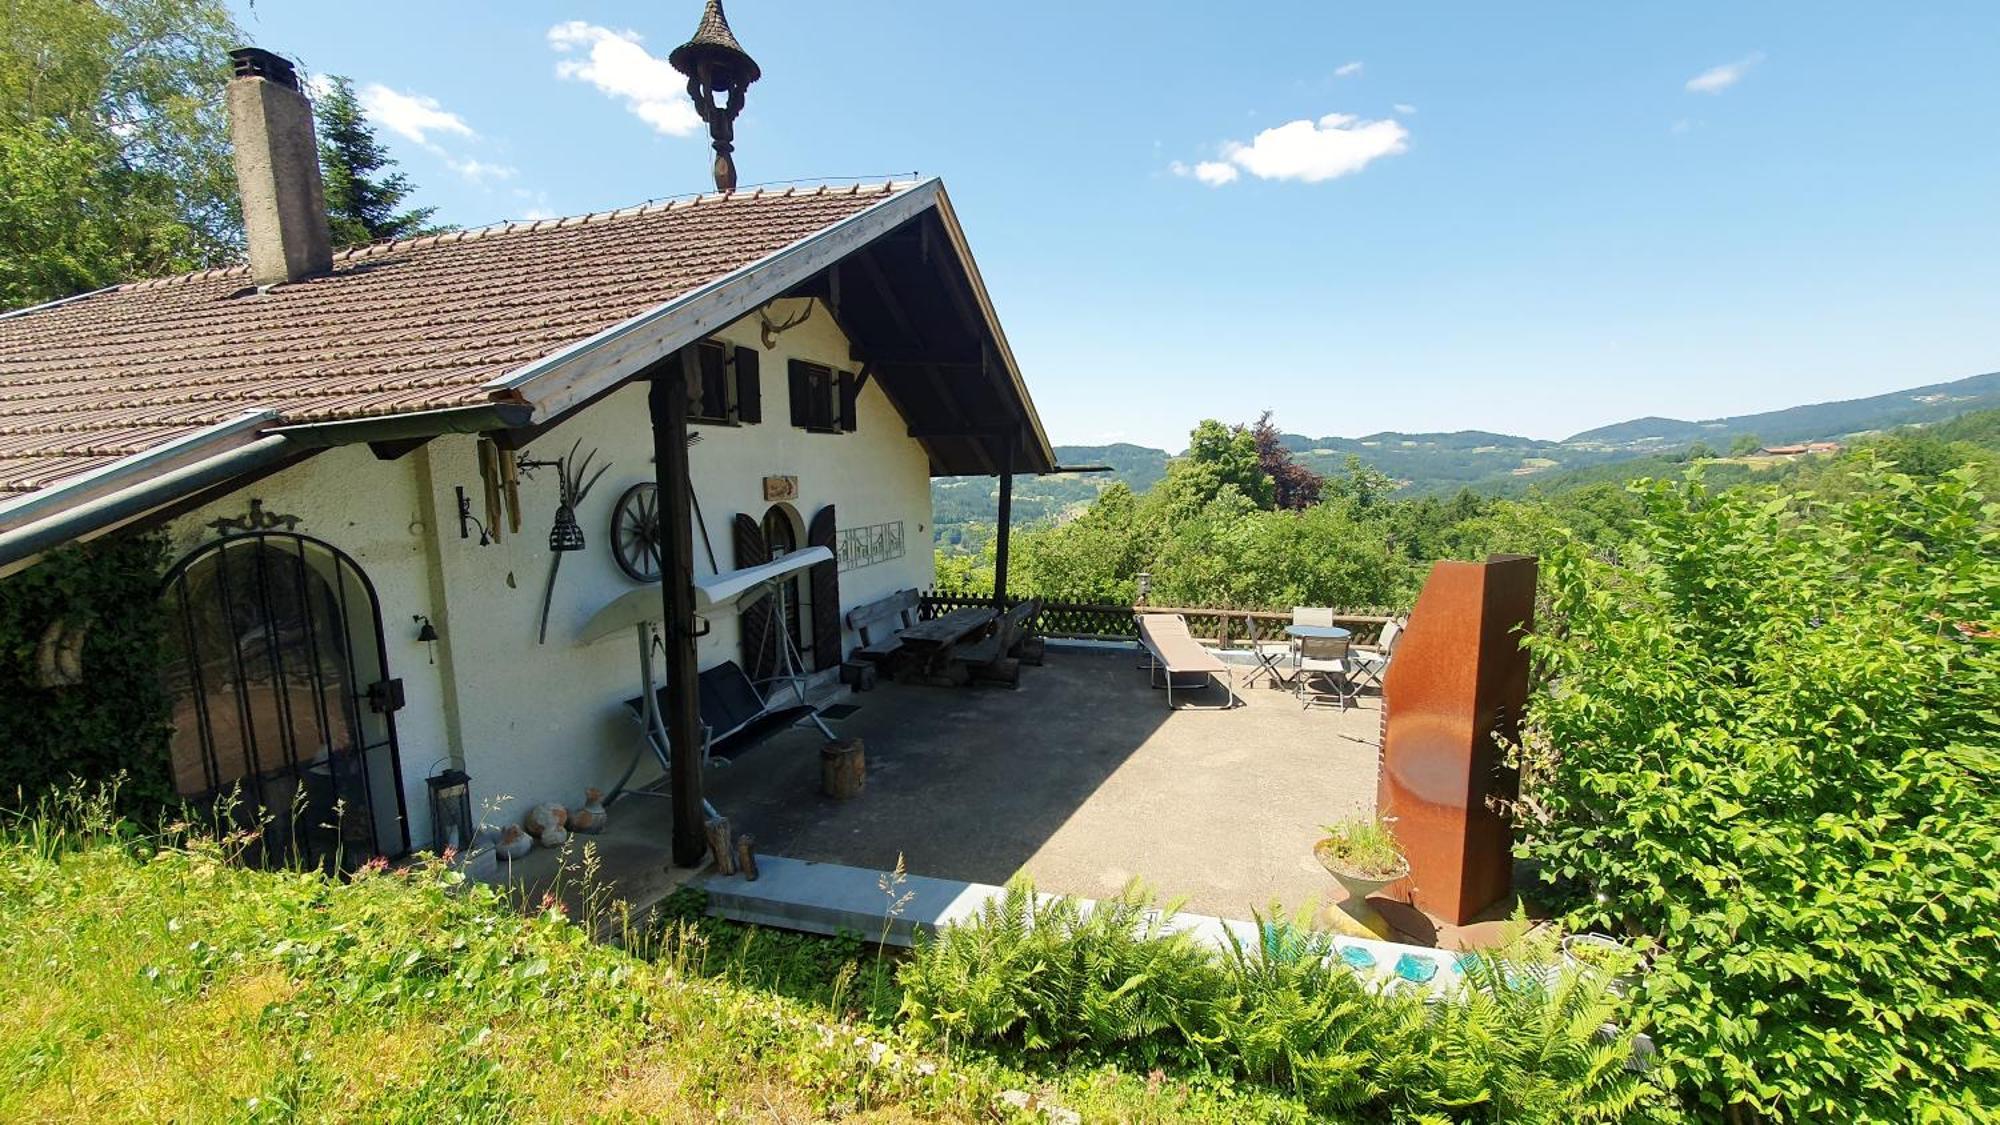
(361, 201)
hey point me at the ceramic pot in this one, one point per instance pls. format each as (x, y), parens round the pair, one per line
(1356, 910)
(591, 817)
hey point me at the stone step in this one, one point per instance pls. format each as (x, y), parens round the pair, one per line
(828, 898)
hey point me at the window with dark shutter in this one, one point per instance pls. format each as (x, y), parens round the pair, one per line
(797, 379)
(848, 393)
(816, 404)
(710, 402)
(749, 392)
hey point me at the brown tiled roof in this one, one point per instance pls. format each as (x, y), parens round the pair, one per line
(397, 327)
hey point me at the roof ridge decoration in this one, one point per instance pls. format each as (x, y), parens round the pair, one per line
(367, 250)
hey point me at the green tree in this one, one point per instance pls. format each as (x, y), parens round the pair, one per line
(1360, 482)
(361, 201)
(114, 154)
(1218, 457)
(1744, 444)
(1767, 748)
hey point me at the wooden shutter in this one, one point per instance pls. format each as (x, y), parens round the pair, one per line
(749, 390)
(711, 400)
(825, 578)
(753, 619)
(801, 393)
(848, 394)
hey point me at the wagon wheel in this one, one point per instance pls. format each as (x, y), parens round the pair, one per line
(635, 532)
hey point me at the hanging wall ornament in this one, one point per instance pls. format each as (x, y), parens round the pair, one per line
(565, 535)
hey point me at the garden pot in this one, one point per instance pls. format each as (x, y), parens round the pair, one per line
(1357, 911)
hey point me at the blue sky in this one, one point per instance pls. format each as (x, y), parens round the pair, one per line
(1526, 218)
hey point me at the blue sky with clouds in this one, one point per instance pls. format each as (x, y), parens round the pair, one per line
(1526, 218)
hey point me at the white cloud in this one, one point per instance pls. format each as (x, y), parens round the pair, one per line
(1404, 108)
(479, 171)
(1214, 173)
(1681, 126)
(1348, 70)
(1336, 145)
(412, 116)
(1716, 79)
(619, 67)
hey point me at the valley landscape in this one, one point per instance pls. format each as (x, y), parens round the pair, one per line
(1438, 464)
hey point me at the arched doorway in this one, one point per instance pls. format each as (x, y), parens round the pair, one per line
(282, 703)
(781, 537)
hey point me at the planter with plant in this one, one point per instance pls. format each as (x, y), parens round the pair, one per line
(1363, 857)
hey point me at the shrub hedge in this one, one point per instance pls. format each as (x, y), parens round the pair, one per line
(1769, 746)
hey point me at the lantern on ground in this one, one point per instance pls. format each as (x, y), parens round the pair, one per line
(451, 810)
(718, 72)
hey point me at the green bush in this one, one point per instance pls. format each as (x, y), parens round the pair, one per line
(1768, 744)
(114, 720)
(1042, 976)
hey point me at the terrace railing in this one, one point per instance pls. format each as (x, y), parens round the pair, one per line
(1110, 622)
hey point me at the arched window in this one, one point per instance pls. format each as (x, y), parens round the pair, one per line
(782, 532)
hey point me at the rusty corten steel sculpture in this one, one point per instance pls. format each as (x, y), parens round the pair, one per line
(716, 64)
(1459, 678)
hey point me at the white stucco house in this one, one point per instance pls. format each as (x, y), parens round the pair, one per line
(354, 458)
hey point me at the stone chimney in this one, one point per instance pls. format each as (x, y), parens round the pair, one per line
(277, 170)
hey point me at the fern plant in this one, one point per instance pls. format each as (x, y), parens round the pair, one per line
(1520, 1040)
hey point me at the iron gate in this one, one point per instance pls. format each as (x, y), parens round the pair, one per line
(283, 708)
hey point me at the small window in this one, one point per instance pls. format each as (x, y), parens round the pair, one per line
(822, 398)
(710, 399)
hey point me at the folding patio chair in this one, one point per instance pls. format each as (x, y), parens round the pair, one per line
(1270, 655)
(1324, 659)
(1371, 664)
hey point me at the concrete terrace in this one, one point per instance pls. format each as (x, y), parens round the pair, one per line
(1081, 778)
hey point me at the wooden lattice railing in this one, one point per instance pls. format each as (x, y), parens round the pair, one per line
(1227, 627)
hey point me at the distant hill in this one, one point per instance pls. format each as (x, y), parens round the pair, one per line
(1431, 463)
(1933, 403)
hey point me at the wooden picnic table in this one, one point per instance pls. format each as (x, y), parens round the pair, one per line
(943, 632)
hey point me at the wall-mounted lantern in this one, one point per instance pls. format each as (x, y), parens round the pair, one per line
(1143, 582)
(717, 66)
(451, 810)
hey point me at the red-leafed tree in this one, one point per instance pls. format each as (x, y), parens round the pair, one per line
(1295, 485)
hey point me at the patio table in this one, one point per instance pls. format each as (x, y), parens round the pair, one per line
(929, 644)
(954, 627)
(1330, 632)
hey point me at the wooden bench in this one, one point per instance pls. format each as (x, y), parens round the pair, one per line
(997, 658)
(878, 622)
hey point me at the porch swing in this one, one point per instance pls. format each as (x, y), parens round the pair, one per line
(735, 714)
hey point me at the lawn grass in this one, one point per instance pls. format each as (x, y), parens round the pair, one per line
(157, 981)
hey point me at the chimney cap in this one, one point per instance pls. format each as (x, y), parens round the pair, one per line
(256, 62)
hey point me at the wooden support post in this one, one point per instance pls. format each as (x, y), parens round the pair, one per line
(667, 403)
(1006, 520)
(746, 857)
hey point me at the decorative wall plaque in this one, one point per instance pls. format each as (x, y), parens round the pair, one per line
(874, 543)
(781, 488)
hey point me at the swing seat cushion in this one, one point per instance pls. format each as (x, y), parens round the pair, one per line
(736, 716)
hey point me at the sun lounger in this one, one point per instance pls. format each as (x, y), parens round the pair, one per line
(1171, 649)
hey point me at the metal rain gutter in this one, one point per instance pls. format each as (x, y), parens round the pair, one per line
(30, 540)
(143, 465)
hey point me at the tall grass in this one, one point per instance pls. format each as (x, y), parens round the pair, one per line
(156, 978)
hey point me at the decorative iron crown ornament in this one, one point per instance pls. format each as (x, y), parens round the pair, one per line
(717, 67)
